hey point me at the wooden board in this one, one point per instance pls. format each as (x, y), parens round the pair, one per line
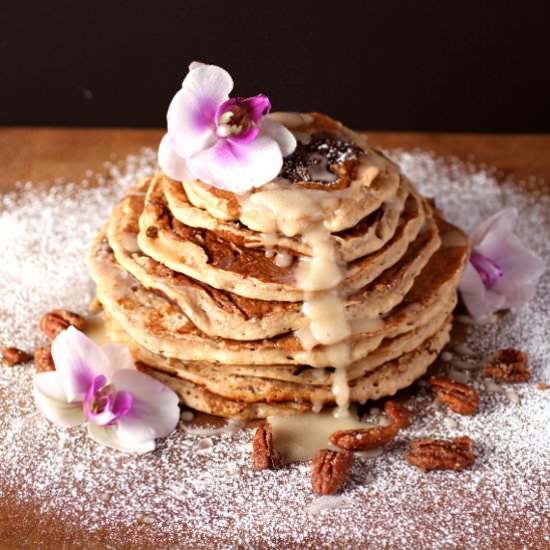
(43, 154)
(36, 154)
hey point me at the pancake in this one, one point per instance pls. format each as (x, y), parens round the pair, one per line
(200, 399)
(212, 258)
(362, 184)
(160, 326)
(253, 389)
(304, 376)
(367, 236)
(229, 315)
(384, 381)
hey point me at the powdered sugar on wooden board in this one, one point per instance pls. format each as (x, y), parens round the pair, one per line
(199, 490)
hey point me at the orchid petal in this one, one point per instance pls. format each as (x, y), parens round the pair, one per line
(110, 437)
(171, 163)
(281, 134)
(479, 301)
(517, 262)
(122, 403)
(196, 65)
(154, 413)
(77, 359)
(518, 267)
(519, 282)
(191, 114)
(119, 357)
(244, 137)
(238, 168)
(521, 267)
(258, 106)
(503, 223)
(50, 398)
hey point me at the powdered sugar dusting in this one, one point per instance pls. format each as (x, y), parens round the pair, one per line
(198, 488)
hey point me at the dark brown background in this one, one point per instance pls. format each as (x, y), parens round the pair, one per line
(424, 65)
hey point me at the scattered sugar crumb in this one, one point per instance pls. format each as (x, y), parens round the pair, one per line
(187, 416)
(180, 495)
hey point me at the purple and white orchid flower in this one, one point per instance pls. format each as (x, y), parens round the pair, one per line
(228, 143)
(99, 386)
(501, 272)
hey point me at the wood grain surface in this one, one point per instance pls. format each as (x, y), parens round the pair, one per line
(43, 154)
(37, 154)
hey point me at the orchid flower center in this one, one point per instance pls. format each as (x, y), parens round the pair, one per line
(489, 271)
(103, 404)
(234, 121)
(238, 119)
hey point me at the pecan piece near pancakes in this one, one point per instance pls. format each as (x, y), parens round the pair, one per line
(58, 320)
(330, 470)
(152, 232)
(398, 413)
(440, 454)
(462, 399)
(363, 439)
(43, 360)
(508, 365)
(264, 455)
(14, 356)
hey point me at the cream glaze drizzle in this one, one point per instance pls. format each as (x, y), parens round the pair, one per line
(94, 328)
(294, 211)
(299, 437)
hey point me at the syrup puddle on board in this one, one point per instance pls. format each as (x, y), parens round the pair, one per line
(298, 438)
(94, 328)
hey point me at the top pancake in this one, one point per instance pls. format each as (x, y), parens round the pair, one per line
(361, 183)
(367, 236)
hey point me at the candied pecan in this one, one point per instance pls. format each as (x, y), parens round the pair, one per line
(508, 365)
(440, 454)
(152, 232)
(398, 413)
(330, 470)
(264, 455)
(462, 399)
(43, 360)
(14, 356)
(363, 439)
(56, 321)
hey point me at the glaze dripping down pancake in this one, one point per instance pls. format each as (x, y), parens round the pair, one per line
(212, 292)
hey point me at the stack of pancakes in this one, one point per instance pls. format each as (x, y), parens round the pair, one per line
(210, 303)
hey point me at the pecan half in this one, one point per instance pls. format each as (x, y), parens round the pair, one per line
(152, 232)
(264, 455)
(14, 356)
(43, 360)
(364, 439)
(440, 454)
(462, 399)
(330, 470)
(56, 321)
(508, 365)
(398, 413)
